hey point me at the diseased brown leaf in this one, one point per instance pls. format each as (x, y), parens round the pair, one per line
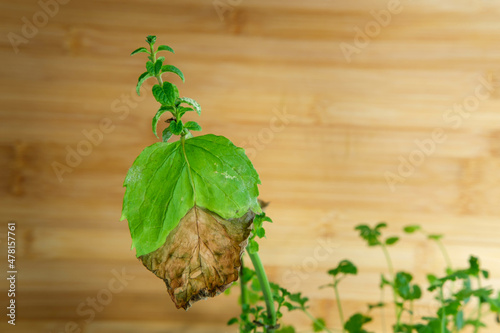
(201, 257)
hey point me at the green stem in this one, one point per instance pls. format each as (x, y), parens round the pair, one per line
(158, 77)
(316, 321)
(391, 272)
(443, 315)
(479, 306)
(243, 286)
(339, 304)
(244, 296)
(445, 254)
(266, 290)
(382, 300)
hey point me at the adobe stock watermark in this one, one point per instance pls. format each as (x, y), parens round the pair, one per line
(321, 252)
(93, 137)
(31, 26)
(88, 309)
(425, 147)
(224, 6)
(371, 30)
(277, 124)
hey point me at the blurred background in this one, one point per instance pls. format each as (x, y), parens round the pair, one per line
(351, 111)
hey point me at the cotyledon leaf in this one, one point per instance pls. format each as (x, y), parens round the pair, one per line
(168, 179)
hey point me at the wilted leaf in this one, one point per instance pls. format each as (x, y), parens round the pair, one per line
(201, 256)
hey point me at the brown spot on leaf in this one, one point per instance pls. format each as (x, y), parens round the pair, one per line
(201, 257)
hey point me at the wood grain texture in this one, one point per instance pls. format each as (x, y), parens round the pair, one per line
(270, 75)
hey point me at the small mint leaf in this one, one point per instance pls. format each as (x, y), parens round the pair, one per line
(181, 110)
(150, 67)
(176, 127)
(166, 134)
(232, 321)
(139, 50)
(144, 76)
(172, 69)
(191, 102)
(192, 126)
(253, 246)
(345, 267)
(391, 240)
(157, 116)
(435, 237)
(411, 229)
(166, 94)
(165, 48)
(151, 39)
(319, 325)
(158, 64)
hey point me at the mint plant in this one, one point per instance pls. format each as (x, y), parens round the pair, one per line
(191, 202)
(192, 208)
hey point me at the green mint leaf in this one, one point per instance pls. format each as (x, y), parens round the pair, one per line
(158, 65)
(176, 127)
(165, 48)
(144, 76)
(345, 267)
(166, 134)
(169, 179)
(411, 229)
(356, 322)
(246, 275)
(166, 94)
(150, 67)
(173, 69)
(319, 324)
(232, 321)
(286, 329)
(368, 234)
(151, 39)
(376, 305)
(391, 240)
(253, 246)
(191, 102)
(139, 50)
(192, 126)
(157, 116)
(261, 232)
(181, 110)
(435, 237)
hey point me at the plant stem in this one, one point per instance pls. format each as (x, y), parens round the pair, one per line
(158, 77)
(391, 272)
(443, 315)
(316, 321)
(244, 296)
(339, 304)
(389, 261)
(476, 329)
(445, 254)
(266, 290)
(382, 300)
(243, 286)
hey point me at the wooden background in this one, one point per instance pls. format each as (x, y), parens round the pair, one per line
(322, 131)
